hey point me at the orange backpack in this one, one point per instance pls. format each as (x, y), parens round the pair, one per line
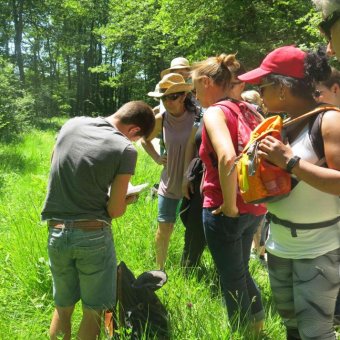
(259, 180)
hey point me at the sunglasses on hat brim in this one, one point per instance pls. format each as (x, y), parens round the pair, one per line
(326, 25)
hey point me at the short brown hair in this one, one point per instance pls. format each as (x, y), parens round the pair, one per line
(137, 113)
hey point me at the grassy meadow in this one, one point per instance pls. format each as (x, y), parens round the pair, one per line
(194, 302)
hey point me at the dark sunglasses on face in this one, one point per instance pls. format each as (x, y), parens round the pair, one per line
(326, 25)
(172, 96)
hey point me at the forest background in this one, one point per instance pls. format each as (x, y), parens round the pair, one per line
(88, 57)
(65, 58)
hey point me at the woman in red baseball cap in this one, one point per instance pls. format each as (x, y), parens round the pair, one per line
(304, 241)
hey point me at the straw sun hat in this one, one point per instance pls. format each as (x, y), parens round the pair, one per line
(176, 64)
(170, 83)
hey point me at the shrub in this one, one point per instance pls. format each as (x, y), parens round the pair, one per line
(16, 106)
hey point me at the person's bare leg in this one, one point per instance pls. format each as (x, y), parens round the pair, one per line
(61, 323)
(162, 239)
(257, 239)
(90, 324)
(258, 327)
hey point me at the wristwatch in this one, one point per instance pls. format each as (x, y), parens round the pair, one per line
(291, 163)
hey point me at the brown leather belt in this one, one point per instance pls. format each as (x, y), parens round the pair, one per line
(83, 225)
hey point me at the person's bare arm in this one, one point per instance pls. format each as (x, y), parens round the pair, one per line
(148, 146)
(216, 126)
(323, 179)
(118, 201)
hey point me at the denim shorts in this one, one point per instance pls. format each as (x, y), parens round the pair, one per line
(83, 266)
(167, 209)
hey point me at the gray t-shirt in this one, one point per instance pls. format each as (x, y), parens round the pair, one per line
(88, 154)
(176, 132)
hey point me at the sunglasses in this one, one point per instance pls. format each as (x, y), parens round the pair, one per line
(172, 96)
(326, 25)
(263, 86)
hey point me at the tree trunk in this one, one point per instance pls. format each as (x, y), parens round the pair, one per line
(17, 7)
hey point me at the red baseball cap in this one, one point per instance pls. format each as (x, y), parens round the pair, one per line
(286, 60)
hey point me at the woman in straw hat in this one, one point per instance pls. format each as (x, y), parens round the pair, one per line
(229, 223)
(304, 240)
(174, 125)
(178, 65)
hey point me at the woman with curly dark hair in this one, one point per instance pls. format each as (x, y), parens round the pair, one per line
(304, 240)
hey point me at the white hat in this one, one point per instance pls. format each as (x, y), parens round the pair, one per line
(176, 64)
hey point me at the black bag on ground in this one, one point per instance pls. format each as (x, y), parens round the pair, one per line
(139, 308)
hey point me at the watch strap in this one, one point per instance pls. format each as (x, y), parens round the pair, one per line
(291, 163)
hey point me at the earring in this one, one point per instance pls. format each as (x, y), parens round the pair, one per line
(282, 94)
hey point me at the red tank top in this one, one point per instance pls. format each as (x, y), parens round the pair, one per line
(240, 121)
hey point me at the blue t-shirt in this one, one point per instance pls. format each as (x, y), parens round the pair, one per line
(88, 154)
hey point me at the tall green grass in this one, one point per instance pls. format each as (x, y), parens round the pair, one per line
(194, 301)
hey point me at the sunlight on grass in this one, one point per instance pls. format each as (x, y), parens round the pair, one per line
(194, 301)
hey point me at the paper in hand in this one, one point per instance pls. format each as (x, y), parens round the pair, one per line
(136, 189)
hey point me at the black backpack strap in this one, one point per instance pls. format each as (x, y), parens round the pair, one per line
(161, 137)
(315, 121)
(305, 226)
(315, 135)
(198, 112)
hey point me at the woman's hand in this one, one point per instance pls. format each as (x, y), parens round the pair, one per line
(162, 160)
(275, 151)
(233, 212)
(187, 188)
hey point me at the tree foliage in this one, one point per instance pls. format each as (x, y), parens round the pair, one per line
(88, 57)
(16, 105)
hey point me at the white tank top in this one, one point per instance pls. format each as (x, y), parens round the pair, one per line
(304, 204)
